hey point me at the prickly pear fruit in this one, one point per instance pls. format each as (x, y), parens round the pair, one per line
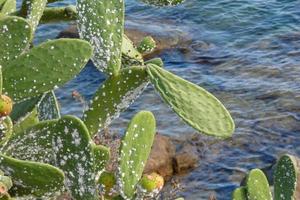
(151, 182)
(107, 181)
(147, 45)
(6, 105)
(3, 189)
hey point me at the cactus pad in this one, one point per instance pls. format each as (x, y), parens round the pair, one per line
(45, 67)
(8, 7)
(27, 175)
(15, 34)
(64, 143)
(33, 11)
(114, 96)
(102, 24)
(240, 194)
(193, 104)
(6, 129)
(48, 107)
(258, 186)
(285, 178)
(101, 155)
(134, 151)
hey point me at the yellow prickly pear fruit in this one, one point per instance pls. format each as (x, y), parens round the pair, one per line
(151, 182)
(6, 105)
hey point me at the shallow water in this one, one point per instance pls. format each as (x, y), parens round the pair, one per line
(247, 53)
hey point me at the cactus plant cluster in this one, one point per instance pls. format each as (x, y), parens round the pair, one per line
(128, 75)
(44, 154)
(285, 182)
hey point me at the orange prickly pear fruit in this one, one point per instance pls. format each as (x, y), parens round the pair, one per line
(6, 105)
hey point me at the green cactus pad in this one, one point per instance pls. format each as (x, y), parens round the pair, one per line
(147, 45)
(64, 143)
(48, 107)
(155, 61)
(114, 96)
(14, 38)
(258, 186)
(193, 104)
(59, 14)
(45, 67)
(21, 109)
(240, 194)
(163, 2)
(27, 175)
(33, 11)
(130, 55)
(102, 24)
(26, 122)
(6, 129)
(101, 155)
(8, 7)
(285, 178)
(134, 151)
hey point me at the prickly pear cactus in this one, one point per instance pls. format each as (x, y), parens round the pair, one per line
(163, 2)
(64, 143)
(26, 176)
(240, 194)
(12, 40)
(45, 67)
(33, 11)
(147, 45)
(193, 104)
(258, 186)
(102, 24)
(114, 96)
(8, 7)
(285, 178)
(134, 151)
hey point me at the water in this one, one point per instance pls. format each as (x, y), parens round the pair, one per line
(247, 53)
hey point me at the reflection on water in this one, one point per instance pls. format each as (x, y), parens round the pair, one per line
(248, 54)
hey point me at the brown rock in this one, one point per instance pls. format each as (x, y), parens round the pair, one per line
(186, 158)
(161, 157)
(162, 42)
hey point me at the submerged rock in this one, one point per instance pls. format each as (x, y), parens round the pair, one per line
(163, 42)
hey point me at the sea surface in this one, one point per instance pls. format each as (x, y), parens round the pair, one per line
(247, 53)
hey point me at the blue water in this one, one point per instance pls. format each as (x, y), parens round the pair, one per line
(245, 52)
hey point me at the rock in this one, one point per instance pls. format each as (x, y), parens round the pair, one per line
(163, 42)
(186, 159)
(161, 157)
(70, 32)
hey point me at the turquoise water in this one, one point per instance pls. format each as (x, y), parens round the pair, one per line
(245, 52)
